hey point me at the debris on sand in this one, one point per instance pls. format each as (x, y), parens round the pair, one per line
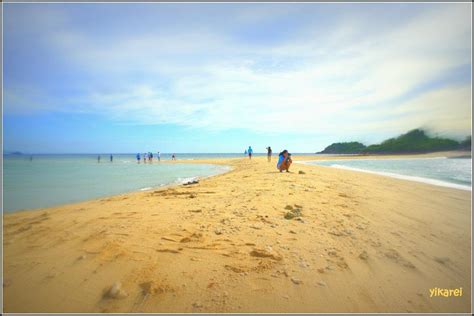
(115, 291)
(294, 212)
(301, 172)
(191, 182)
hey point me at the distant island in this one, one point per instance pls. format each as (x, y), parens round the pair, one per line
(415, 141)
(12, 153)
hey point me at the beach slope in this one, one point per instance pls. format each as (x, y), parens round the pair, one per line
(317, 239)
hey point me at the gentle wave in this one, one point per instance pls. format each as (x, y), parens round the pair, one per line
(411, 178)
(311, 162)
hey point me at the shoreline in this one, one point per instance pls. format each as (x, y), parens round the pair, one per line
(298, 160)
(218, 169)
(420, 179)
(356, 242)
(424, 180)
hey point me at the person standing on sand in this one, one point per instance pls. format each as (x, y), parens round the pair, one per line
(159, 156)
(284, 161)
(98, 158)
(269, 153)
(144, 157)
(138, 158)
(173, 157)
(250, 151)
(111, 158)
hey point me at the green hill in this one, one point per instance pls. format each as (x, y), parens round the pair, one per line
(415, 141)
(344, 148)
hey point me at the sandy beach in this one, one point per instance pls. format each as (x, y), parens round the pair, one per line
(318, 239)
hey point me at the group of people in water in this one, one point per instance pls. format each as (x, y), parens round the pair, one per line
(284, 158)
(149, 156)
(146, 157)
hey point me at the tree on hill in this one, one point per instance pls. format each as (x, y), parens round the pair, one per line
(344, 148)
(415, 141)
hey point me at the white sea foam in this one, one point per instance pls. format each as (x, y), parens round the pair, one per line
(186, 180)
(410, 178)
(311, 162)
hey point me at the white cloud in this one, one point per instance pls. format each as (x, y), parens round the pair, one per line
(331, 81)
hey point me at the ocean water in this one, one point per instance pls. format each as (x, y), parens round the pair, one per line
(50, 180)
(448, 172)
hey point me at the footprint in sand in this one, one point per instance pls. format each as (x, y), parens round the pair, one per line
(168, 250)
(393, 255)
(194, 237)
(114, 292)
(264, 253)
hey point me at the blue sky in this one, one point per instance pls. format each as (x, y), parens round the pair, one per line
(88, 78)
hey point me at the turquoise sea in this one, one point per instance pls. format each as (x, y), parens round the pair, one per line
(47, 180)
(448, 172)
(40, 180)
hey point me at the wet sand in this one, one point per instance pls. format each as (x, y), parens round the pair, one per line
(317, 239)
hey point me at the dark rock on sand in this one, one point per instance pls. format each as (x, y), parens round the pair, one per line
(289, 215)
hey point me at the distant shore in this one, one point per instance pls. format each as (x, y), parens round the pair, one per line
(249, 240)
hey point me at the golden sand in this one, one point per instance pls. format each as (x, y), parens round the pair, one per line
(350, 242)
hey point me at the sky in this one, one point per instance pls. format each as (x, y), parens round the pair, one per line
(123, 78)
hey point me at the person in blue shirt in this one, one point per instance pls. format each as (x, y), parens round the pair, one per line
(250, 152)
(284, 161)
(138, 158)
